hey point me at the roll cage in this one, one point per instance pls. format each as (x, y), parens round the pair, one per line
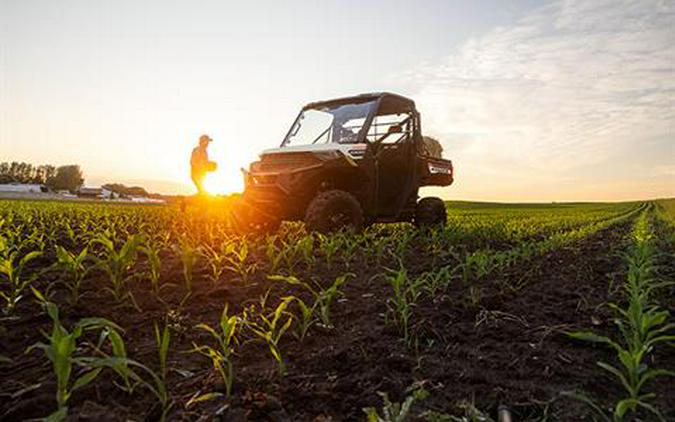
(390, 116)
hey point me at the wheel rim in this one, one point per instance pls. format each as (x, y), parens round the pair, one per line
(340, 220)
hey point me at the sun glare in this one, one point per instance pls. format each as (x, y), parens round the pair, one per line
(224, 182)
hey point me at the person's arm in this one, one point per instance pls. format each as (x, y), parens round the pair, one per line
(209, 165)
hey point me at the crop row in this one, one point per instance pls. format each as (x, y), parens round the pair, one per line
(642, 327)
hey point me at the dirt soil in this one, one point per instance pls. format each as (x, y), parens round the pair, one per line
(507, 348)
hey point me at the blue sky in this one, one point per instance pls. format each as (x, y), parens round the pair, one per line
(568, 100)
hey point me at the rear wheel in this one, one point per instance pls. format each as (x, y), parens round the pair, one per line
(334, 210)
(430, 212)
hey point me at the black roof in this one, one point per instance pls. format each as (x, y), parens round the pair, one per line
(390, 101)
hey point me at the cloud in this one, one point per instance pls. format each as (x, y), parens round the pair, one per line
(571, 85)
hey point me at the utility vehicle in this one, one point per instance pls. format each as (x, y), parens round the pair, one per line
(346, 163)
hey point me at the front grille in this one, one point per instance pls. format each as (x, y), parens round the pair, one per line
(265, 180)
(286, 161)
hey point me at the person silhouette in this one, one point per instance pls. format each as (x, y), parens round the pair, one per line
(200, 164)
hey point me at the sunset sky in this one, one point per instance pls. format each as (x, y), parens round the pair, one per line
(532, 100)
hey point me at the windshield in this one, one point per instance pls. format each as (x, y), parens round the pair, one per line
(340, 124)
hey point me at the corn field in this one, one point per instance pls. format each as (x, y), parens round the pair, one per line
(150, 313)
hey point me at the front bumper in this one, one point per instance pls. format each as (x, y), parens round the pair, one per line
(279, 193)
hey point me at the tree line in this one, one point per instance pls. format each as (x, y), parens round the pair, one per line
(67, 177)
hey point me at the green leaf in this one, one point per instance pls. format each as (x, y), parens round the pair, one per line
(203, 398)
(52, 311)
(40, 297)
(653, 373)
(288, 279)
(585, 399)
(119, 349)
(651, 409)
(624, 406)
(371, 414)
(57, 416)
(86, 378)
(660, 339)
(94, 323)
(30, 256)
(105, 242)
(63, 255)
(285, 327)
(618, 374)
(208, 329)
(594, 338)
(83, 254)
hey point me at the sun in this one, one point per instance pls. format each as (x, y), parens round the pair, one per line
(224, 182)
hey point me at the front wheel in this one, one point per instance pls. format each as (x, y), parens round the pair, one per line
(430, 212)
(334, 210)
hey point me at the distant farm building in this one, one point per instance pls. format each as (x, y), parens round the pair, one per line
(23, 188)
(90, 193)
(109, 194)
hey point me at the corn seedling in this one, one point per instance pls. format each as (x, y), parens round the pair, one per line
(236, 255)
(158, 386)
(117, 263)
(327, 296)
(162, 339)
(476, 266)
(74, 267)
(290, 253)
(154, 266)
(60, 350)
(404, 238)
(188, 257)
(306, 317)
(274, 254)
(12, 268)
(375, 246)
(470, 413)
(216, 259)
(305, 249)
(393, 411)
(400, 305)
(323, 296)
(271, 329)
(221, 356)
(434, 281)
(349, 248)
(330, 245)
